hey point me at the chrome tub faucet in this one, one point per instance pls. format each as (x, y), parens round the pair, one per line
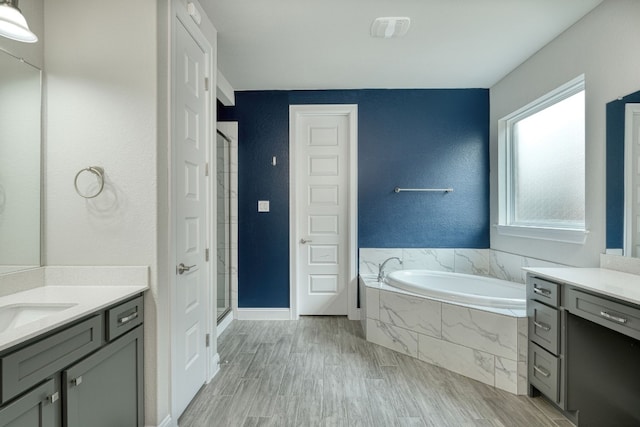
(381, 274)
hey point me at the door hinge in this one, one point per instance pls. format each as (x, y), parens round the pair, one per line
(206, 83)
(206, 254)
(206, 169)
(208, 340)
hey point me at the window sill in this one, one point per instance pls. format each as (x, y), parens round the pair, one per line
(565, 235)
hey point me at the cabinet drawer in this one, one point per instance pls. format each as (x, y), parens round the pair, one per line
(28, 366)
(543, 290)
(124, 317)
(544, 370)
(544, 325)
(614, 315)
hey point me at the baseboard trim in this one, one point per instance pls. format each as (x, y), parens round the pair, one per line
(264, 314)
(224, 324)
(167, 422)
(215, 366)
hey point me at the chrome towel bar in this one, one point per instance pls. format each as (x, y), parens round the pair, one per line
(431, 190)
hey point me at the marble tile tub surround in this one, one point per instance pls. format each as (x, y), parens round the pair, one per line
(479, 262)
(488, 347)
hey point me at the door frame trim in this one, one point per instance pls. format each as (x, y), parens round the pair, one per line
(351, 111)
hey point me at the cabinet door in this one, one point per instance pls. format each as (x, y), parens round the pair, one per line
(37, 408)
(105, 389)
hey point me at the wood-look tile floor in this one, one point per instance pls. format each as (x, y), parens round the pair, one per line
(320, 371)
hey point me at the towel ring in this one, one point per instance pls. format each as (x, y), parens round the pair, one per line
(99, 173)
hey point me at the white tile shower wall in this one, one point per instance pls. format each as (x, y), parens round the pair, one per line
(479, 262)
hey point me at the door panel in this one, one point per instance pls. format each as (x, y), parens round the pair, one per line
(322, 187)
(190, 157)
(105, 389)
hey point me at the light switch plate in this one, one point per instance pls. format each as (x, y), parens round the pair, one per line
(263, 206)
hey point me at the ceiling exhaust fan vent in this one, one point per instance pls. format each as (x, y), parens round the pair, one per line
(388, 27)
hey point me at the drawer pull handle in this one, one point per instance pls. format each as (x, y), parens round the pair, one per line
(76, 381)
(612, 317)
(541, 371)
(542, 291)
(542, 326)
(54, 397)
(127, 319)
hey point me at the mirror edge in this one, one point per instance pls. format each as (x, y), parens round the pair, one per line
(614, 170)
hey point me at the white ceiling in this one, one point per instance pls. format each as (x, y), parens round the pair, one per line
(325, 44)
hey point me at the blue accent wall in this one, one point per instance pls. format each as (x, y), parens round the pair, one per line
(615, 170)
(406, 138)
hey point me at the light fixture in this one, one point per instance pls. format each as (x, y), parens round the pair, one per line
(12, 24)
(388, 27)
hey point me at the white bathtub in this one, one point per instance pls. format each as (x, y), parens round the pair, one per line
(460, 288)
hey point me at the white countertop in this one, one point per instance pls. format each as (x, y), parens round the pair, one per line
(87, 299)
(616, 284)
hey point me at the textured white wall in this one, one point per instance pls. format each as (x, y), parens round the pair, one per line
(101, 62)
(603, 46)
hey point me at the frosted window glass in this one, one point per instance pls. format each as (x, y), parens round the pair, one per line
(548, 166)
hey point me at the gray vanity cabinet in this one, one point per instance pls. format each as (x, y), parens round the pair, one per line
(38, 408)
(86, 374)
(105, 389)
(584, 348)
(546, 362)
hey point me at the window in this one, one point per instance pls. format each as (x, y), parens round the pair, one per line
(542, 167)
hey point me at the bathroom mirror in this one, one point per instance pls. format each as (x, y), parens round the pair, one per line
(616, 179)
(20, 164)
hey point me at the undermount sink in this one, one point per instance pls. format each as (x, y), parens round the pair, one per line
(16, 315)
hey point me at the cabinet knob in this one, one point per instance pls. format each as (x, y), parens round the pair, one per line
(77, 381)
(54, 397)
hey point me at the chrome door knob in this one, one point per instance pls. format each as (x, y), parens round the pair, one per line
(303, 241)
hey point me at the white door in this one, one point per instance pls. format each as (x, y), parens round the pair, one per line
(190, 198)
(321, 142)
(632, 177)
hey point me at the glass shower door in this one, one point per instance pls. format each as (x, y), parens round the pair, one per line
(223, 219)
